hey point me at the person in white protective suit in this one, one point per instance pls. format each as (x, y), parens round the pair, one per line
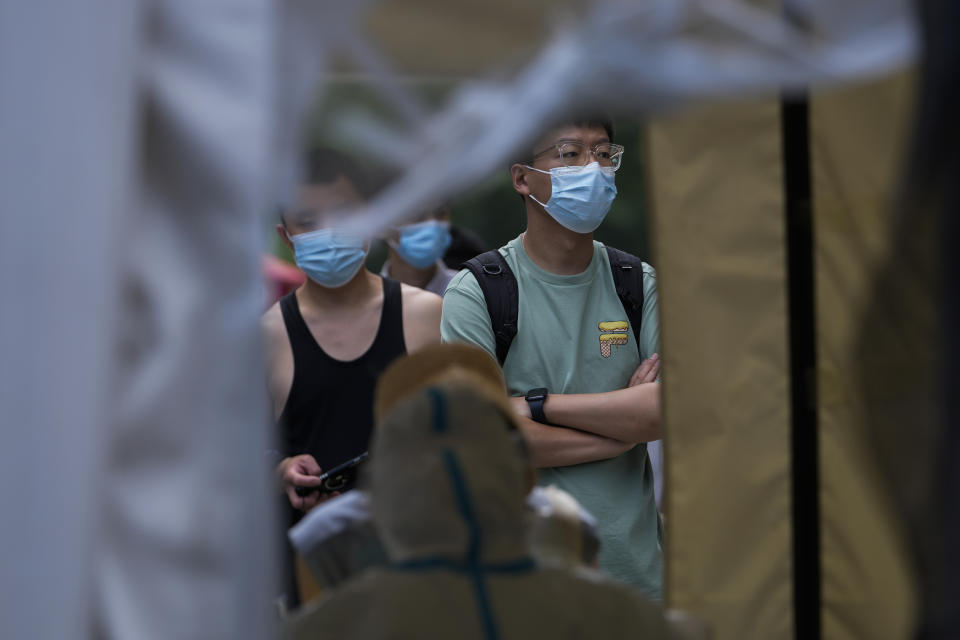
(337, 540)
(561, 531)
(448, 476)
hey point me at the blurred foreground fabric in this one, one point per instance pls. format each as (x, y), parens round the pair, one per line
(134, 487)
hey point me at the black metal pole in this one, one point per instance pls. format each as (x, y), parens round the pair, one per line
(795, 131)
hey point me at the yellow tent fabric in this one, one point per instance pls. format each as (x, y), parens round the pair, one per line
(718, 241)
(429, 38)
(716, 185)
(857, 136)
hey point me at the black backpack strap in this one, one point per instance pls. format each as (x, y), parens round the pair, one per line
(627, 272)
(501, 294)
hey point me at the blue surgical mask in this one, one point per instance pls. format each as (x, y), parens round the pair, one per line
(580, 196)
(423, 243)
(328, 257)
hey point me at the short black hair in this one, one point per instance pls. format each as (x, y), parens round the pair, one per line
(580, 119)
(588, 120)
(591, 120)
(324, 165)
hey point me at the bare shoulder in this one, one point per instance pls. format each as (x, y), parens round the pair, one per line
(421, 317)
(278, 356)
(420, 301)
(271, 317)
(271, 324)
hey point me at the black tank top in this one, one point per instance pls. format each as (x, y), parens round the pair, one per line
(329, 412)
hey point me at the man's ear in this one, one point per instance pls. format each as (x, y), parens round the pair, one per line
(282, 232)
(519, 174)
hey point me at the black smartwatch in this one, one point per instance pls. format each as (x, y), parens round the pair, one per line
(535, 400)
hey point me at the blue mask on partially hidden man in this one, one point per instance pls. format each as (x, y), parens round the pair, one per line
(423, 243)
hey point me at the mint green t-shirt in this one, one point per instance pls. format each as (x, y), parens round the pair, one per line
(560, 346)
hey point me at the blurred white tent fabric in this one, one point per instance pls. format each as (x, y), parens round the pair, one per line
(67, 117)
(184, 547)
(639, 56)
(134, 172)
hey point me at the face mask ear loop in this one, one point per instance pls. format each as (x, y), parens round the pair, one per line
(531, 195)
(537, 170)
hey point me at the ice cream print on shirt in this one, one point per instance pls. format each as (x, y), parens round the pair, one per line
(612, 334)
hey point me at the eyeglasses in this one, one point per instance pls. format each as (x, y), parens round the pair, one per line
(577, 154)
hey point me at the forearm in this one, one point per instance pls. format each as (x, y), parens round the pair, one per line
(561, 447)
(627, 415)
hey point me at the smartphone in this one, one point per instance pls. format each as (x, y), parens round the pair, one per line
(342, 477)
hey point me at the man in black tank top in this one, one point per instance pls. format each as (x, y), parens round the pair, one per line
(328, 341)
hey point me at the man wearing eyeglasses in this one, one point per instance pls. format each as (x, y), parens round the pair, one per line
(587, 396)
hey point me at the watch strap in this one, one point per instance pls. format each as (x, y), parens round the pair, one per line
(536, 410)
(535, 400)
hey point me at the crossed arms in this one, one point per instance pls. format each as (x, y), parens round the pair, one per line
(583, 427)
(586, 427)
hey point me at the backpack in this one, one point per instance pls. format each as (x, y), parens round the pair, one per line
(502, 295)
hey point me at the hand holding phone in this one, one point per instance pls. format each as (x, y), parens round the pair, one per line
(299, 471)
(341, 478)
